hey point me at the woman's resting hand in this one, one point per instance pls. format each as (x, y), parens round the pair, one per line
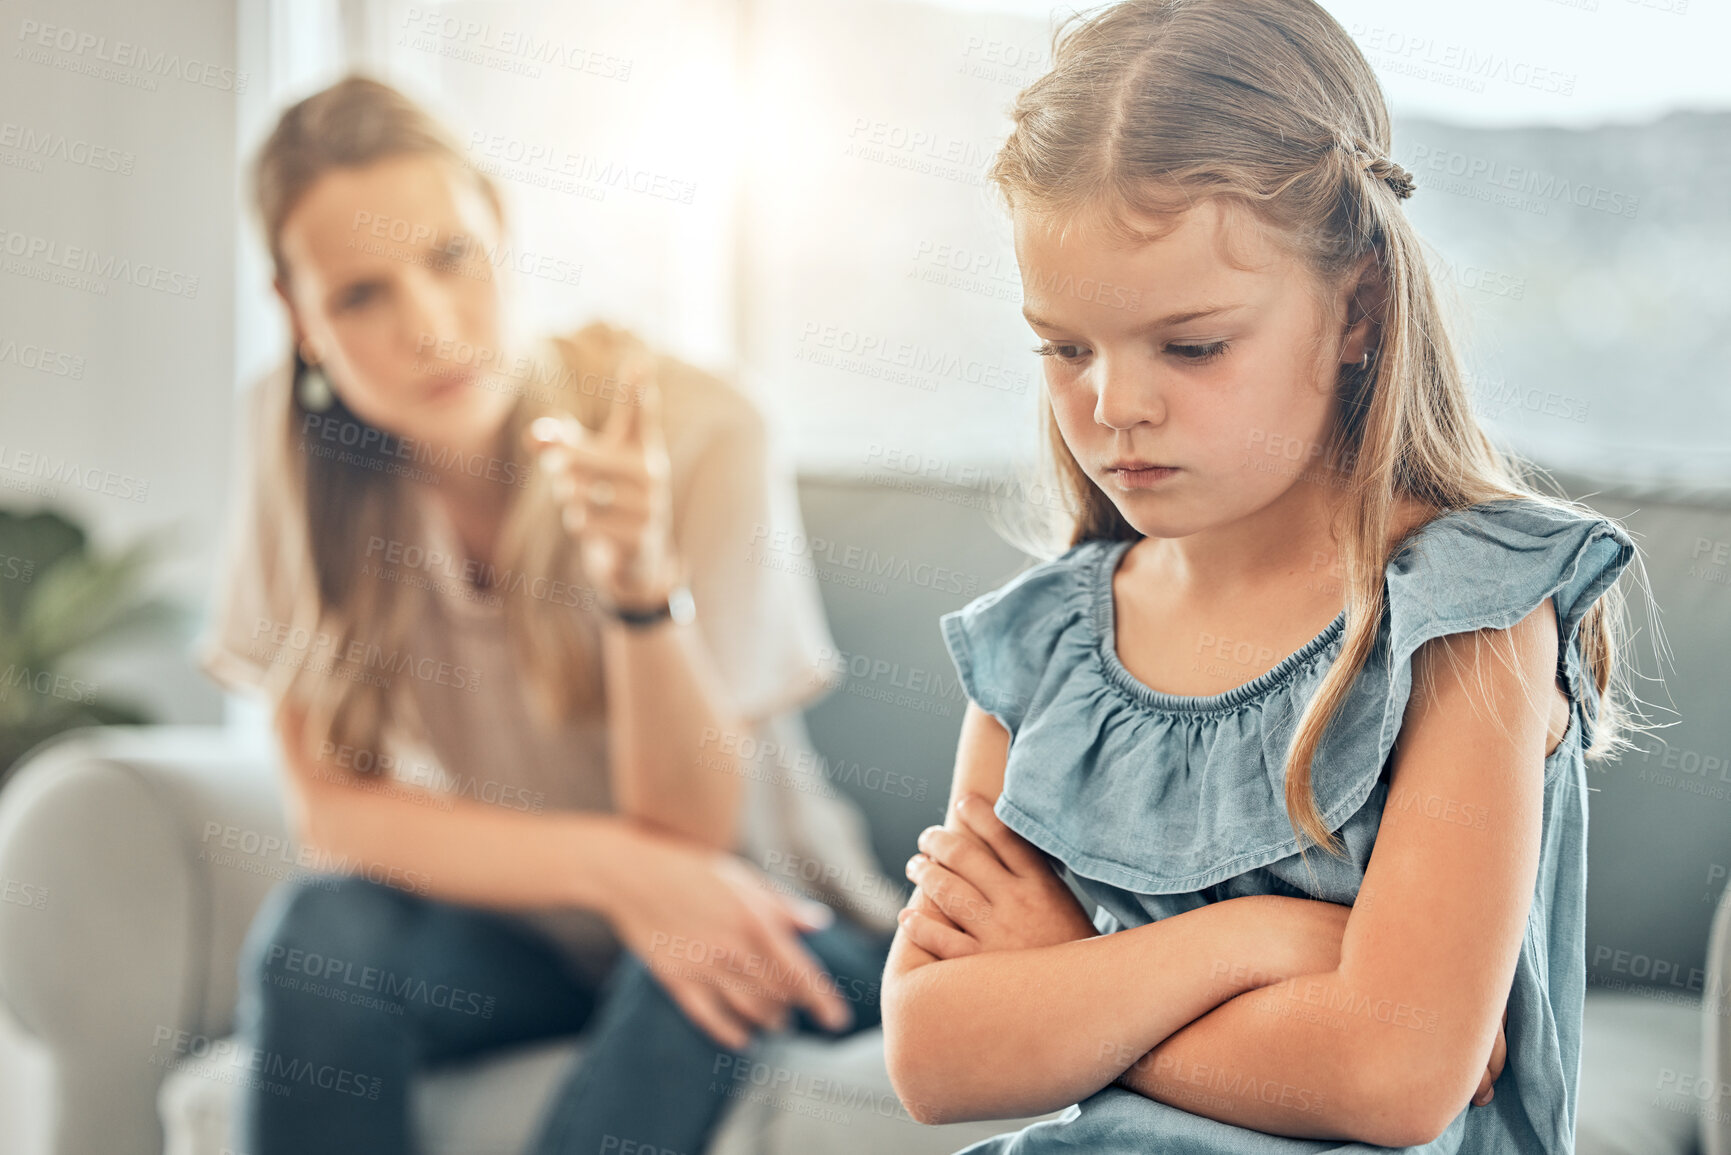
(724, 945)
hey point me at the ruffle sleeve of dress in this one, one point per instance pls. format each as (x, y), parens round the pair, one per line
(1160, 793)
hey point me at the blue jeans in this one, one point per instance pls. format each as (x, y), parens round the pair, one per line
(349, 988)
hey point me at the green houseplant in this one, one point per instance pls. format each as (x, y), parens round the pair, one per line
(58, 598)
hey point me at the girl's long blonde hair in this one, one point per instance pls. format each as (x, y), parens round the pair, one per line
(335, 507)
(1153, 106)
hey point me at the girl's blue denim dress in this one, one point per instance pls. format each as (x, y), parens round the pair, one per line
(1156, 803)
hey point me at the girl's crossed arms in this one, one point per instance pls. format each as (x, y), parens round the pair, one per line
(1000, 999)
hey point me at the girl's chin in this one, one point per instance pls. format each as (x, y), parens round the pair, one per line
(1152, 515)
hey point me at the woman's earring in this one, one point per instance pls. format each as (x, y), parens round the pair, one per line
(1363, 362)
(315, 390)
(314, 387)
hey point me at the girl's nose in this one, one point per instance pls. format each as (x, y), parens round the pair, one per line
(1126, 397)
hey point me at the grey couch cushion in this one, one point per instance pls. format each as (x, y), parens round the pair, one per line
(1640, 1065)
(798, 1097)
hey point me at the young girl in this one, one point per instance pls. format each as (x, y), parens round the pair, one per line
(511, 736)
(1301, 711)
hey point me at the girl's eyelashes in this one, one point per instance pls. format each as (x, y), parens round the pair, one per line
(1059, 349)
(1190, 354)
(1198, 354)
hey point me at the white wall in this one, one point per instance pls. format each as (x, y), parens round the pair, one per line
(149, 411)
(147, 415)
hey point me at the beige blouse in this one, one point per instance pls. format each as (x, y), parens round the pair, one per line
(473, 733)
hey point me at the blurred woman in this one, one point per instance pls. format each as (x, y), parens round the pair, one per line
(529, 678)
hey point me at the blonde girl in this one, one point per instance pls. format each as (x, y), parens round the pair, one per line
(1268, 825)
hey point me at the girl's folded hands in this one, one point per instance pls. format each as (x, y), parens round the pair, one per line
(982, 887)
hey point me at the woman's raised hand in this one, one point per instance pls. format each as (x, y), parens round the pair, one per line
(613, 489)
(722, 943)
(983, 888)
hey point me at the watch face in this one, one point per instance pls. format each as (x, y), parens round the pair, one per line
(681, 606)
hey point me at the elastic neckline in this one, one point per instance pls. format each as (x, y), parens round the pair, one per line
(1106, 647)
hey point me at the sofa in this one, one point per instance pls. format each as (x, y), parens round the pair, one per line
(136, 858)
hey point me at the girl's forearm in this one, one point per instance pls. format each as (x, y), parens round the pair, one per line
(1304, 1058)
(666, 721)
(1021, 1032)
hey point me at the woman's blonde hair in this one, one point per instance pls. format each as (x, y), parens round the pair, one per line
(344, 503)
(1154, 106)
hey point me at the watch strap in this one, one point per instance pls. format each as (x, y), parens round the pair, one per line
(677, 607)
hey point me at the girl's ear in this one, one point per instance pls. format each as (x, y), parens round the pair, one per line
(1365, 295)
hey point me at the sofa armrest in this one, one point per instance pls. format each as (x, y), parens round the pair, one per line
(1716, 1033)
(131, 862)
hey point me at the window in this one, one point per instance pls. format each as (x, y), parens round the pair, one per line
(791, 191)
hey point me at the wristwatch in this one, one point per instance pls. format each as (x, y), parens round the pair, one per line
(678, 608)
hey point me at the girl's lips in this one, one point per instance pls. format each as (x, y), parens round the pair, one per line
(1141, 478)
